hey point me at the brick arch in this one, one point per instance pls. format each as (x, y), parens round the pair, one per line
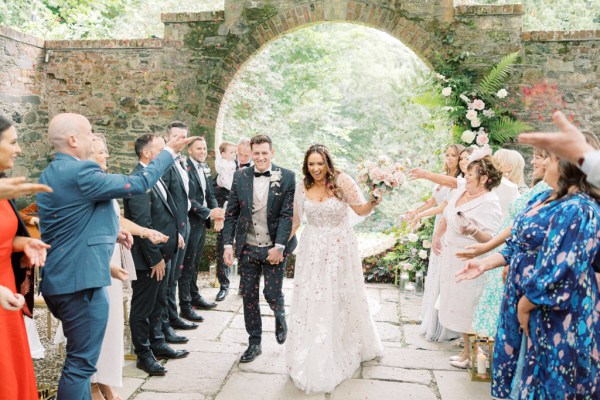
(420, 41)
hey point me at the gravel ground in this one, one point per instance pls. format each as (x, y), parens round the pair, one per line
(48, 369)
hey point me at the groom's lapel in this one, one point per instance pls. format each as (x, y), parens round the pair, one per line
(249, 174)
(272, 189)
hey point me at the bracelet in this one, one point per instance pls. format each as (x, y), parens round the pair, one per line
(142, 233)
(475, 233)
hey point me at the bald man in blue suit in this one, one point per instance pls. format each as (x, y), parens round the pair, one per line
(79, 222)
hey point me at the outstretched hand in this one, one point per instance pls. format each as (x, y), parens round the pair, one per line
(417, 173)
(11, 188)
(569, 143)
(471, 251)
(178, 142)
(471, 270)
(35, 250)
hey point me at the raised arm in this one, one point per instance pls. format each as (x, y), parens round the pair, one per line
(440, 179)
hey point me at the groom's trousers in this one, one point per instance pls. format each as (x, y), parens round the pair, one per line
(253, 262)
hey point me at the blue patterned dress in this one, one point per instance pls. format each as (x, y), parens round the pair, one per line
(485, 321)
(550, 254)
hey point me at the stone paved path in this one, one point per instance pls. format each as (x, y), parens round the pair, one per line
(411, 368)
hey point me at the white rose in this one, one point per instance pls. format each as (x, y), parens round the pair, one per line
(423, 254)
(413, 237)
(468, 137)
(475, 123)
(471, 115)
(440, 77)
(447, 91)
(502, 93)
(426, 244)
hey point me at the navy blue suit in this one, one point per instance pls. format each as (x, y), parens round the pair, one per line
(79, 222)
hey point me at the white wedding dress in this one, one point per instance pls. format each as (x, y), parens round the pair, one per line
(331, 329)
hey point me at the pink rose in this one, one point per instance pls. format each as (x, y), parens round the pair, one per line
(478, 104)
(482, 139)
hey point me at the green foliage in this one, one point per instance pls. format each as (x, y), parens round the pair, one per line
(347, 87)
(506, 128)
(498, 75)
(409, 255)
(478, 111)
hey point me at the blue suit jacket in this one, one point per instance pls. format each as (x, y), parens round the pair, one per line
(79, 222)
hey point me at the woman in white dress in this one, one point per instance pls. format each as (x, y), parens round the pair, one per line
(430, 324)
(472, 216)
(331, 329)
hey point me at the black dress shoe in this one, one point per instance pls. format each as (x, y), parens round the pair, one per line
(150, 366)
(190, 314)
(167, 353)
(251, 353)
(222, 294)
(172, 337)
(200, 302)
(181, 324)
(280, 329)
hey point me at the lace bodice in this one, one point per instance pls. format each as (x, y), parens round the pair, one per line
(329, 213)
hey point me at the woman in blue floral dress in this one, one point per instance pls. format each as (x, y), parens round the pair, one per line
(551, 294)
(485, 320)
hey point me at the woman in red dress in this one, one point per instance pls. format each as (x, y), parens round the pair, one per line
(17, 379)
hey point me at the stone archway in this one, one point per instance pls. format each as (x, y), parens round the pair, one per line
(257, 26)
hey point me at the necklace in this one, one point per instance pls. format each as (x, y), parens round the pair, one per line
(472, 196)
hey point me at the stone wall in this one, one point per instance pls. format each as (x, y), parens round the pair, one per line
(21, 89)
(130, 87)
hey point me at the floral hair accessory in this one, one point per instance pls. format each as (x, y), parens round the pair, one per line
(479, 153)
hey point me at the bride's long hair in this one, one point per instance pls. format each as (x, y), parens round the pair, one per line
(331, 174)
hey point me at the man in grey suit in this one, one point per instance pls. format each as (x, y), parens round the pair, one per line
(79, 222)
(260, 212)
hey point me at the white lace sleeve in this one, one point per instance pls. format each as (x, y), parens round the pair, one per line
(351, 195)
(299, 203)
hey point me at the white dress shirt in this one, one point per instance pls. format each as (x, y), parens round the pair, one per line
(591, 167)
(160, 184)
(201, 174)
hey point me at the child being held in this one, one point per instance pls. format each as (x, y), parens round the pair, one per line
(225, 165)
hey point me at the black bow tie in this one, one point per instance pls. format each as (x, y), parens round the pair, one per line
(259, 174)
(244, 165)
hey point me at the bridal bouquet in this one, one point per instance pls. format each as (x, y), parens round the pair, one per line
(381, 176)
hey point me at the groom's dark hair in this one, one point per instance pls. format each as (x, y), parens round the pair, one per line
(260, 139)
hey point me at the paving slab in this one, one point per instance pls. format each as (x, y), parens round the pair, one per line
(415, 359)
(251, 386)
(420, 376)
(415, 340)
(389, 332)
(131, 371)
(198, 373)
(410, 309)
(387, 313)
(169, 396)
(130, 386)
(455, 385)
(239, 336)
(210, 346)
(369, 389)
(214, 323)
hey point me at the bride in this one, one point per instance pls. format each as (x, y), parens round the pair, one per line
(331, 329)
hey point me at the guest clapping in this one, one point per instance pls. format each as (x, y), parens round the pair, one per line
(472, 215)
(551, 292)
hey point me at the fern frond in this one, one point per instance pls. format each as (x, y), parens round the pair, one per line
(498, 75)
(507, 128)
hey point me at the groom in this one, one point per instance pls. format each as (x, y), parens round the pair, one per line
(260, 212)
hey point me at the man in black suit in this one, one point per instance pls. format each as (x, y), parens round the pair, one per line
(260, 212)
(176, 180)
(243, 160)
(156, 210)
(203, 209)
